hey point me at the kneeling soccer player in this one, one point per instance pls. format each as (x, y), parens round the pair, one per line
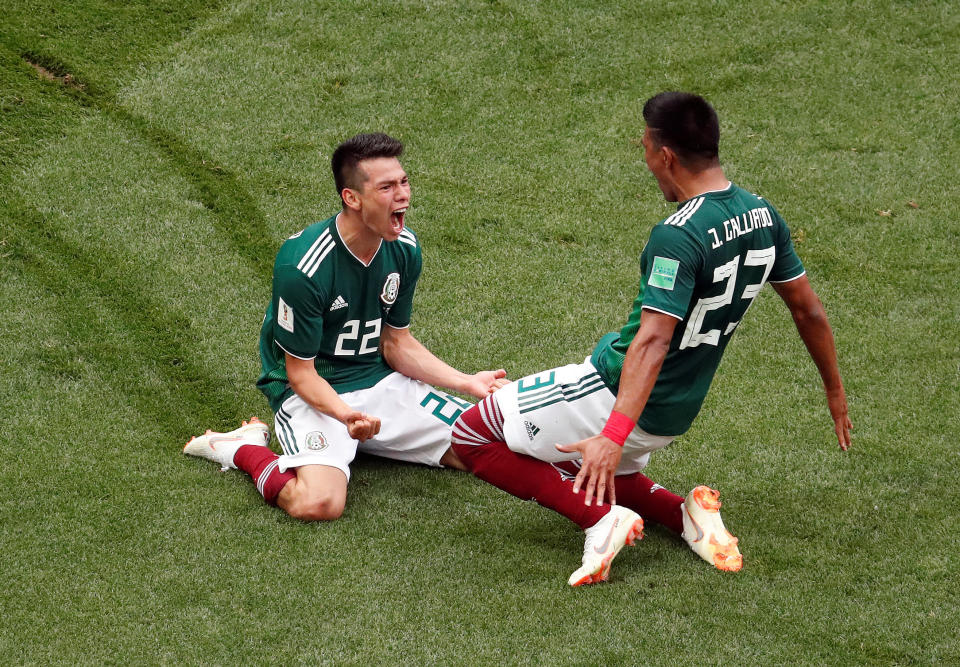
(643, 386)
(341, 369)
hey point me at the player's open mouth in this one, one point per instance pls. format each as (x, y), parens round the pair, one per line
(396, 218)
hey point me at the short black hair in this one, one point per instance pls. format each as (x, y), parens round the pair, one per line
(687, 124)
(351, 152)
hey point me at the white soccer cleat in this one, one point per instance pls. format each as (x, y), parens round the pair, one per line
(703, 530)
(220, 447)
(619, 527)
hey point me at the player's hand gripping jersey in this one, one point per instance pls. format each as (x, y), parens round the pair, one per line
(704, 265)
(330, 307)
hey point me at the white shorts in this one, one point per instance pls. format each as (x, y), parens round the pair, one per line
(563, 406)
(415, 425)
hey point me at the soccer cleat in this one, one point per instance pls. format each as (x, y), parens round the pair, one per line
(619, 527)
(220, 447)
(703, 530)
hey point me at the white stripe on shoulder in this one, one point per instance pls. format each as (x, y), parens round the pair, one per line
(690, 213)
(314, 250)
(323, 255)
(683, 209)
(310, 267)
(680, 218)
(408, 237)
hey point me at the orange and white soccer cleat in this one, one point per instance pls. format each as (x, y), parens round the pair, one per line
(618, 528)
(704, 531)
(220, 447)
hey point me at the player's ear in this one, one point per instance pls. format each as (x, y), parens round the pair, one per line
(351, 199)
(668, 156)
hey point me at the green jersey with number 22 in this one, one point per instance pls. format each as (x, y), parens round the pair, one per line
(703, 265)
(329, 306)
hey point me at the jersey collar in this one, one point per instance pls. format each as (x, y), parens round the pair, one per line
(722, 190)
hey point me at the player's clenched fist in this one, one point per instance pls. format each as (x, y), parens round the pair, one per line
(361, 426)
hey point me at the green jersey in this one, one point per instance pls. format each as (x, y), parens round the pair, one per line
(329, 306)
(703, 265)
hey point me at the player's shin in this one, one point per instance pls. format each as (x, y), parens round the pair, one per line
(650, 500)
(522, 476)
(261, 464)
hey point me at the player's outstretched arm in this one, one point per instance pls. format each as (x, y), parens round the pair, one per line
(814, 328)
(318, 393)
(408, 356)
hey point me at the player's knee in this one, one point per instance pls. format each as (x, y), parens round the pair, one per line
(451, 459)
(461, 451)
(465, 454)
(322, 507)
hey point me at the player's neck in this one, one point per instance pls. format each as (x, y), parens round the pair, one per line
(694, 184)
(360, 240)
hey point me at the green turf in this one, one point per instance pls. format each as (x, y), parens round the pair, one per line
(154, 155)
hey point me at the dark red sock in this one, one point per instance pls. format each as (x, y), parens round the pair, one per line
(261, 464)
(522, 476)
(650, 500)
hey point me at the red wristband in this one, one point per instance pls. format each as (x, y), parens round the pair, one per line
(618, 427)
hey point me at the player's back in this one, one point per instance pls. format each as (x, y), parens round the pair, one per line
(738, 236)
(703, 265)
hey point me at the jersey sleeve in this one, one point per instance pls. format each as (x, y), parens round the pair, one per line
(299, 305)
(669, 266)
(402, 309)
(787, 265)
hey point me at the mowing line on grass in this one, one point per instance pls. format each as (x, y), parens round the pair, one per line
(236, 216)
(61, 265)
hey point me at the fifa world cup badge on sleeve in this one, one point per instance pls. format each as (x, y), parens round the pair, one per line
(664, 273)
(285, 315)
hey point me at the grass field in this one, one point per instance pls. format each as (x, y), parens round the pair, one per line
(153, 155)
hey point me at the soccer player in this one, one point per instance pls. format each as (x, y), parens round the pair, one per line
(341, 369)
(642, 387)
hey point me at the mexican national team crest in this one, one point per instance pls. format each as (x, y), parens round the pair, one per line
(316, 441)
(391, 287)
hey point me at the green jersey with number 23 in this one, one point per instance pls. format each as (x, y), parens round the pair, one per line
(703, 265)
(330, 307)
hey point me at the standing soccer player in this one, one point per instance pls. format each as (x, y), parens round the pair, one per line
(642, 387)
(341, 369)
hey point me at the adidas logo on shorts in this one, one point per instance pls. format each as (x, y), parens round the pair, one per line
(532, 429)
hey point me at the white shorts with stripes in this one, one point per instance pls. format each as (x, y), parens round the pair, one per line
(415, 424)
(562, 406)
